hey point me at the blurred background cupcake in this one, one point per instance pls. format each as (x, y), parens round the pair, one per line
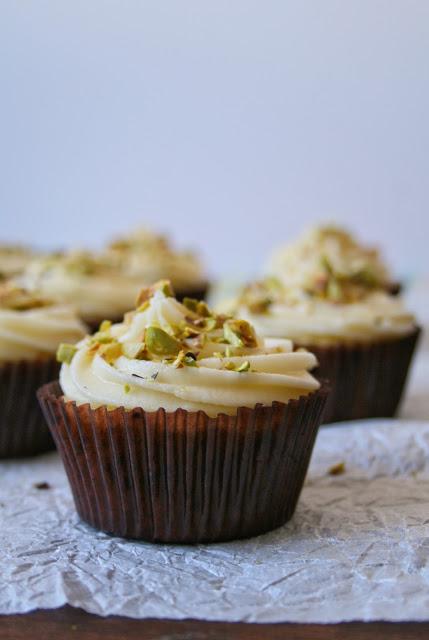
(145, 257)
(104, 284)
(336, 304)
(31, 328)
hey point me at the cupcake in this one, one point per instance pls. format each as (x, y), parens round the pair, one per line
(146, 257)
(180, 425)
(31, 328)
(91, 283)
(297, 263)
(13, 260)
(363, 337)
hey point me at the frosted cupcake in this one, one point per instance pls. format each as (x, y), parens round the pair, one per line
(363, 337)
(92, 284)
(180, 425)
(30, 330)
(297, 263)
(146, 257)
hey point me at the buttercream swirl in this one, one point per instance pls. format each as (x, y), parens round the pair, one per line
(28, 333)
(172, 355)
(93, 286)
(315, 321)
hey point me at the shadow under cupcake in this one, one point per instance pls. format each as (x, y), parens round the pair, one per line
(180, 425)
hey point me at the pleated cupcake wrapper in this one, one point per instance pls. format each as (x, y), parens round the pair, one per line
(182, 476)
(367, 380)
(93, 324)
(23, 429)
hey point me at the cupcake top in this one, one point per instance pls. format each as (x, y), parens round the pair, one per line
(13, 260)
(332, 308)
(304, 263)
(148, 257)
(90, 283)
(31, 326)
(182, 355)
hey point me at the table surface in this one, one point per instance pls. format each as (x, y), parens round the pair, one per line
(68, 623)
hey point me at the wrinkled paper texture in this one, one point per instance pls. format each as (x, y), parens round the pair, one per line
(357, 547)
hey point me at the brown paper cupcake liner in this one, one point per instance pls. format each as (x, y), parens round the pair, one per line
(367, 380)
(183, 477)
(23, 430)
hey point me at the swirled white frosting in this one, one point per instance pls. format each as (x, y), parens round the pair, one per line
(93, 287)
(147, 257)
(276, 372)
(298, 264)
(319, 321)
(36, 333)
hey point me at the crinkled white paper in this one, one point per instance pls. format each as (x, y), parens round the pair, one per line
(357, 547)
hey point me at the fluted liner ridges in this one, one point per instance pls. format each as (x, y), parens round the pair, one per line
(182, 476)
(367, 380)
(23, 430)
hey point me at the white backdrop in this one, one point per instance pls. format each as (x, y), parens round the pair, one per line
(232, 123)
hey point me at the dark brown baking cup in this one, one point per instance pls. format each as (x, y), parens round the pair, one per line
(183, 477)
(367, 380)
(23, 430)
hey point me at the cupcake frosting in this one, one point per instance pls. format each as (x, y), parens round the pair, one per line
(278, 311)
(301, 263)
(32, 327)
(173, 355)
(91, 284)
(13, 260)
(148, 257)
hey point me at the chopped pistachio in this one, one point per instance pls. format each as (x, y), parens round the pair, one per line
(160, 343)
(127, 388)
(190, 303)
(165, 287)
(327, 266)
(66, 352)
(105, 326)
(244, 366)
(190, 359)
(103, 337)
(110, 352)
(334, 290)
(239, 333)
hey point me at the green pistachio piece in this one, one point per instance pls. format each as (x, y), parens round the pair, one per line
(110, 352)
(191, 304)
(244, 366)
(327, 266)
(104, 326)
(165, 287)
(239, 333)
(334, 290)
(66, 352)
(190, 359)
(127, 388)
(160, 343)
